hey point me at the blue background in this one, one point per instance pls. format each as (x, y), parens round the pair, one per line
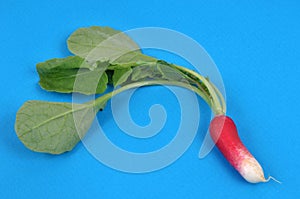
(256, 48)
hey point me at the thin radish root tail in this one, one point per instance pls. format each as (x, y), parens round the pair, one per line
(272, 178)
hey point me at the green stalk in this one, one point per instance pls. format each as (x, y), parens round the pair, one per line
(101, 100)
(221, 98)
(219, 108)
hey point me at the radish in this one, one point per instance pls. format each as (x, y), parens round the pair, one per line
(50, 127)
(224, 133)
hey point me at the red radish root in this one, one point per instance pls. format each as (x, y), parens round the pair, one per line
(224, 133)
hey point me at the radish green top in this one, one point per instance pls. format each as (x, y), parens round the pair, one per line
(106, 56)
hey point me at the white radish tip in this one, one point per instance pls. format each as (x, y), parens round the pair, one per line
(251, 170)
(272, 178)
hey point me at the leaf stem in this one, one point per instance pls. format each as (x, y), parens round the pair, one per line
(221, 98)
(219, 108)
(148, 83)
(103, 99)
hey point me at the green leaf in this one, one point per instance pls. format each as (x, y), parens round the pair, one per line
(58, 64)
(170, 73)
(132, 59)
(60, 75)
(84, 40)
(121, 75)
(50, 127)
(106, 44)
(144, 71)
(157, 71)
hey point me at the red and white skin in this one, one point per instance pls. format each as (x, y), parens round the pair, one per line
(224, 133)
